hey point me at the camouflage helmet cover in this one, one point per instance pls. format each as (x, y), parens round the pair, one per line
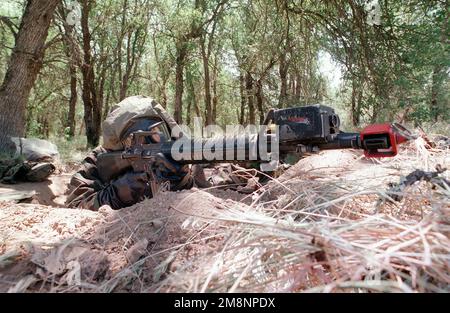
(121, 114)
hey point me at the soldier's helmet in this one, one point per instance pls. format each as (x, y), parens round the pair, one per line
(133, 114)
(140, 113)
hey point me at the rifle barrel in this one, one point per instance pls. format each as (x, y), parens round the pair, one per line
(220, 149)
(343, 141)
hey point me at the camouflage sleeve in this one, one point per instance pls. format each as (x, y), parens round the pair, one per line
(86, 183)
(88, 191)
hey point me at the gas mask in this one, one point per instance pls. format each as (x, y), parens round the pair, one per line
(158, 131)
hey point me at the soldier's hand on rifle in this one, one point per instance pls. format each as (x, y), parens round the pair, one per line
(177, 174)
(124, 191)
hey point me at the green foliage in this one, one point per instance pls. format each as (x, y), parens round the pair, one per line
(71, 150)
(398, 70)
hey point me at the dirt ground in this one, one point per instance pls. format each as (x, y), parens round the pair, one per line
(46, 247)
(51, 192)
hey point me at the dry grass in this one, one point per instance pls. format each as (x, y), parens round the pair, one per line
(328, 231)
(327, 225)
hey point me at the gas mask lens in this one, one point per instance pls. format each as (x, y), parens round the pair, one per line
(156, 131)
(155, 136)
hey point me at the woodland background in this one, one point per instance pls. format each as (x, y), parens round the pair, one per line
(64, 63)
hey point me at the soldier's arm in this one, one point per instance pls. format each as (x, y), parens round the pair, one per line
(86, 183)
(88, 191)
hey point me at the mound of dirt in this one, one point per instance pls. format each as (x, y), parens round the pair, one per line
(35, 238)
(78, 249)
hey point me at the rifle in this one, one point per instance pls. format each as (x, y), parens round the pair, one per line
(293, 132)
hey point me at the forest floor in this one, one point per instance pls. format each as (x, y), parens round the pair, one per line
(329, 223)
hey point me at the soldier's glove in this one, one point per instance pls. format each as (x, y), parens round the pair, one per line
(125, 191)
(198, 173)
(177, 174)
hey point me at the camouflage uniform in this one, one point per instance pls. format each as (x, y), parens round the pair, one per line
(86, 183)
(88, 191)
(16, 170)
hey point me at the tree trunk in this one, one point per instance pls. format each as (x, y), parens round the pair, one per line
(123, 87)
(73, 99)
(434, 105)
(92, 108)
(164, 93)
(74, 60)
(298, 87)
(119, 50)
(242, 92)
(207, 83)
(190, 95)
(107, 106)
(24, 66)
(355, 112)
(249, 94)
(260, 101)
(196, 107)
(283, 70)
(179, 69)
(188, 111)
(134, 51)
(109, 96)
(215, 99)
